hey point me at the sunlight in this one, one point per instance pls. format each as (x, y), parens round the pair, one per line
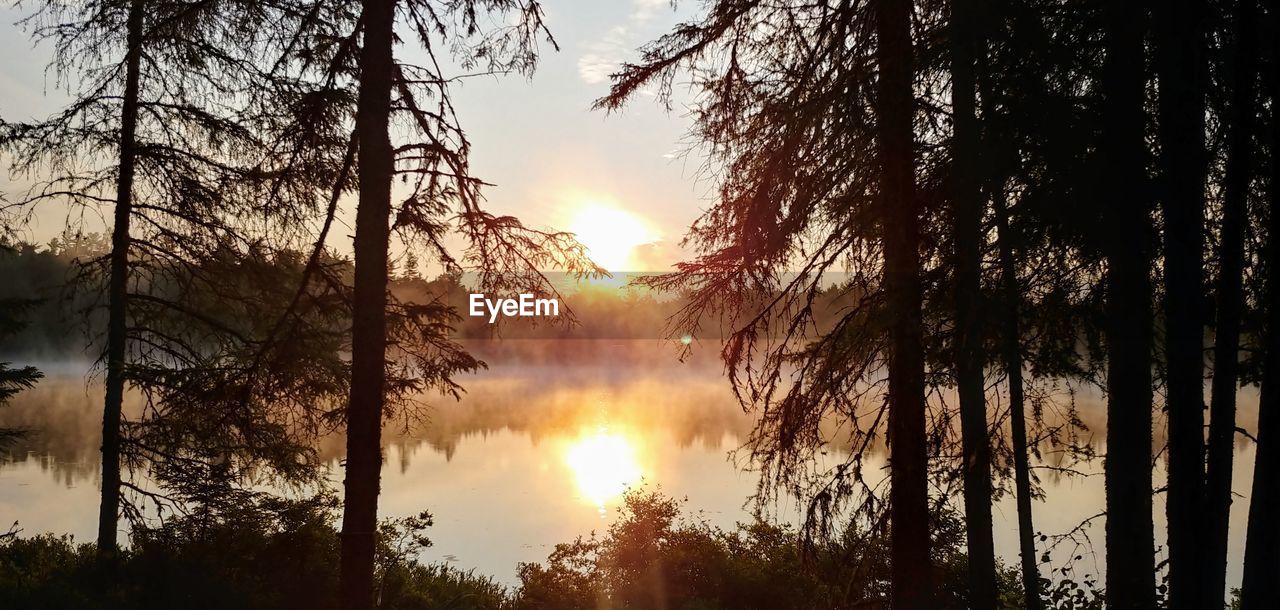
(604, 465)
(610, 234)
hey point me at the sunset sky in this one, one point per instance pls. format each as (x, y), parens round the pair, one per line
(617, 180)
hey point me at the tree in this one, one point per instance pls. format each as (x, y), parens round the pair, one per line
(791, 149)
(164, 127)
(909, 460)
(1011, 361)
(1181, 69)
(369, 306)
(79, 44)
(1037, 131)
(1130, 548)
(967, 46)
(1262, 539)
(398, 350)
(1241, 70)
(118, 283)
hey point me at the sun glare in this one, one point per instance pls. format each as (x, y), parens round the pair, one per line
(610, 235)
(603, 464)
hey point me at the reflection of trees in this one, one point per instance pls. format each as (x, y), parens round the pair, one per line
(61, 417)
(531, 394)
(623, 388)
(545, 389)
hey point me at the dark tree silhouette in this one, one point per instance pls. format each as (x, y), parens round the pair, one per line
(1032, 124)
(399, 349)
(118, 282)
(1128, 232)
(369, 307)
(900, 210)
(1011, 361)
(967, 51)
(1181, 69)
(1241, 75)
(1262, 540)
(171, 126)
(800, 190)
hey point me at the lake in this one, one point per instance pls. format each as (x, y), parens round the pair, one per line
(542, 445)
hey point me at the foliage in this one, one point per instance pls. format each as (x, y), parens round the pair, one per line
(654, 556)
(262, 554)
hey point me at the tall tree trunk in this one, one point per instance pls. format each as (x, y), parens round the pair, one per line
(966, 45)
(1129, 532)
(1258, 591)
(911, 587)
(1180, 68)
(118, 289)
(368, 353)
(1011, 355)
(1230, 303)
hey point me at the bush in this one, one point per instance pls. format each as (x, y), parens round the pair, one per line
(267, 555)
(653, 558)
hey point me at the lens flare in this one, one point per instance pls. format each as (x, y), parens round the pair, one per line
(603, 465)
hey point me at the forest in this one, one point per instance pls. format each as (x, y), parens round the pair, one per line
(961, 267)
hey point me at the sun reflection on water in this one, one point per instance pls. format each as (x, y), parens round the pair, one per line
(604, 464)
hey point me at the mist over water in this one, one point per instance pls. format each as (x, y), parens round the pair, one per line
(541, 446)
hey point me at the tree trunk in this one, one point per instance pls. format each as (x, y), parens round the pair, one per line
(1011, 355)
(1230, 303)
(1258, 591)
(1181, 68)
(966, 44)
(368, 352)
(911, 586)
(1129, 531)
(118, 289)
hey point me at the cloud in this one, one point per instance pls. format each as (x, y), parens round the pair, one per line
(644, 10)
(603, 55)
(595, 69)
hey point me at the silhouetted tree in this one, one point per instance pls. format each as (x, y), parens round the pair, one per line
(1128, 233)
(164, 128)
(900, 216)
(1181, 68)
(1241, 74)
(1262, 540)
(799, 191)
(369, 307)
(398, 349)
(1034, 130)
(1011, 360)
(967, 52)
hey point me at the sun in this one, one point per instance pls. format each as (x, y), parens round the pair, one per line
(603, 465)
(610, 235)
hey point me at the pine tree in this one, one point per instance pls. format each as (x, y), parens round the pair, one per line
(1122, 150)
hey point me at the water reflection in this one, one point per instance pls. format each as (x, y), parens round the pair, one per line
(540, 448)
(603, 464)
(537, 451)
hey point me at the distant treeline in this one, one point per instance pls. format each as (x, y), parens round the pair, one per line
(57, 324)
(61, 324)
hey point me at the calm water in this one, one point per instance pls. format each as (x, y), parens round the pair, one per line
(540, 450)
